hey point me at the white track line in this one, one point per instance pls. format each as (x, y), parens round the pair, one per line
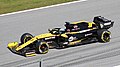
(117, 66)
(42, 7)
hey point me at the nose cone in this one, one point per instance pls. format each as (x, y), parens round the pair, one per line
(12, 45)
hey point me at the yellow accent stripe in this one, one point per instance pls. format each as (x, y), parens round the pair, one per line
(64, 35)
(44, 35)
(29, 55)
(78, 22)
(72, 43)
(25, 44)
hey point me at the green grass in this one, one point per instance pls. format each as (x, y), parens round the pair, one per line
(7, 6)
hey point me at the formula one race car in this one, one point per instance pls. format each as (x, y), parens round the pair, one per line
(75, 33)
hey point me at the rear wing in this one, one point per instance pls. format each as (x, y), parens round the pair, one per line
(102, 22)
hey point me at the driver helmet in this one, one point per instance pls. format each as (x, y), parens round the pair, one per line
(67, 23)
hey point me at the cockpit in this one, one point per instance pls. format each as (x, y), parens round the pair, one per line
(57, 31)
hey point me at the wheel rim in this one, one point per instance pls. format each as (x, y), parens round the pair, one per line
(43, 48)
(27, 39)
(106, 37)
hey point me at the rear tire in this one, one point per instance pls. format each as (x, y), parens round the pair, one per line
(26, 37)
(42, 47)
(103, 35)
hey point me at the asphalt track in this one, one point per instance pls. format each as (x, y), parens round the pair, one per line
(38, 21)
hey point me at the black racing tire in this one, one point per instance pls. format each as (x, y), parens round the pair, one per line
(42, 47)
(103, 35)
(25, 37)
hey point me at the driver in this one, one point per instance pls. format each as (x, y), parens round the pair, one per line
(68, 26)
(71, 27)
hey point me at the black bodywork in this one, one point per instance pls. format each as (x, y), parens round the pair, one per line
(82, 34)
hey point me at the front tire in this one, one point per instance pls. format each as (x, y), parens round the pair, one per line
(42, 47)
(103, 35)
(26, 37)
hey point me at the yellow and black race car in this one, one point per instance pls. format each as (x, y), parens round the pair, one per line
(75, 33)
